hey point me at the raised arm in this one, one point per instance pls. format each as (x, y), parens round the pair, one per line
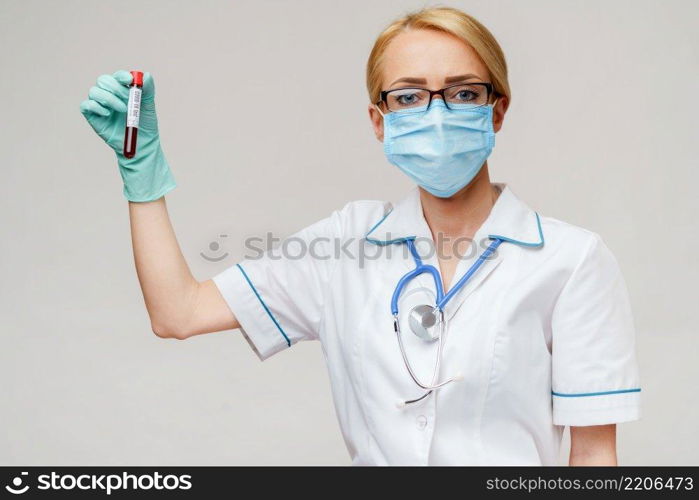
(177, 304)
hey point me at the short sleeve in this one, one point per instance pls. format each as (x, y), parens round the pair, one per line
(595, 377)
(277, 295)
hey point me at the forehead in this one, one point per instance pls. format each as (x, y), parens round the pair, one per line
(429, 54)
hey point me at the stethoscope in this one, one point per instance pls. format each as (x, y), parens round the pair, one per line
(423, 318)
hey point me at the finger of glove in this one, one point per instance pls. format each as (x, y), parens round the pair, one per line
(89, 107)
(148, 86)
(126, 78)
(111, 84)
(107, 99)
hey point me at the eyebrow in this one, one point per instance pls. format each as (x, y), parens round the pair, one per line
(423, 81)
(460, 78)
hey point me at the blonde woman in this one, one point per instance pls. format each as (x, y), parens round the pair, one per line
(460, 326)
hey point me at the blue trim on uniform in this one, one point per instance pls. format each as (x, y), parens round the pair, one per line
(582, 394)
(524, 244)
(288, 342)
(382, 242)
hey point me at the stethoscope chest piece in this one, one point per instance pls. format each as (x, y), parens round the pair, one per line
(423, 320)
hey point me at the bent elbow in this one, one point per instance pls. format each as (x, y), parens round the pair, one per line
(165, 331)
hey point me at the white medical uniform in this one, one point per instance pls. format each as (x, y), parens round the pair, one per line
(542, 333)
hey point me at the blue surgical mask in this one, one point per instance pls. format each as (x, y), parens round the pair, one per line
(441, 149)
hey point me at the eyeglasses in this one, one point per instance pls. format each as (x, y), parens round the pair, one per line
(455, 96)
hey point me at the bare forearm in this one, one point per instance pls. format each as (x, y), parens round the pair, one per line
(593, 445)
(168, 287)
(600, 458)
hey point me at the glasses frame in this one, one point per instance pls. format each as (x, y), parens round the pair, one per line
(488, 87)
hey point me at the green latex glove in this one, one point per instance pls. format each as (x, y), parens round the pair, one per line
(147, 175)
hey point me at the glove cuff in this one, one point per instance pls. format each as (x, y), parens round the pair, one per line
(149, 180)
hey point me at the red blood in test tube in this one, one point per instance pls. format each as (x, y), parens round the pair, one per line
(133, 112)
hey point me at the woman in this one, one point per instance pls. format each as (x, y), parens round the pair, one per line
(525, 329)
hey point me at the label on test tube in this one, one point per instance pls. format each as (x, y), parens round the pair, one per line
(134, 107)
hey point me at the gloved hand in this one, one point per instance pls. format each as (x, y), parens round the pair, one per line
(147, 175)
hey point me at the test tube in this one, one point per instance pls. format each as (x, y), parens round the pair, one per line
(133, 111)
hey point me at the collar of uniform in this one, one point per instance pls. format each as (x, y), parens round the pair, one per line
(402, 221)
(509, 220)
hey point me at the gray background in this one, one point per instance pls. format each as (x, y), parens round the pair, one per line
(262, 110)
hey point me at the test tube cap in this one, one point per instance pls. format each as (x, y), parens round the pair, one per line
(137, 77)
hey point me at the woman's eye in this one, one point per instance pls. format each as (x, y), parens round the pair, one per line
(407, 99)
(466, 95)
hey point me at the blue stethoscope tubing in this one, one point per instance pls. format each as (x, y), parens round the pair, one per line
(426, 268)
(440, 302)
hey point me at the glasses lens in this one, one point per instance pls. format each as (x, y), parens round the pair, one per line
(467, 95)
(406, 99)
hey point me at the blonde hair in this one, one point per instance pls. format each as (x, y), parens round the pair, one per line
(447, 20)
